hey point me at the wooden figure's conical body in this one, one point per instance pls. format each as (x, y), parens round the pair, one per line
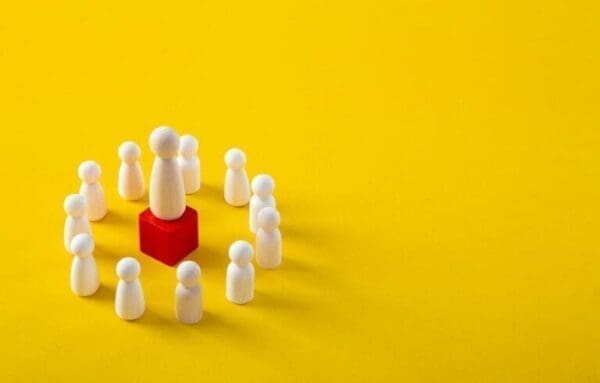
(237, 187)
(131, 181)
(96, 200)
(84, 276)
(189, 163)
(189, 303)
(190, 171)
(268, 248)
(129, 301)
(167, 192)
(240, 283)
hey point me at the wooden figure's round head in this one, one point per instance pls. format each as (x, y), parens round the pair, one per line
(268, 219)
(263, 185)
(128, 269)
(129, 152)
(235, 159)
(241, 252)
(82, 245)
(89, 172)
(75, 205)
(188, 273)
(164, 142)
(188, 146)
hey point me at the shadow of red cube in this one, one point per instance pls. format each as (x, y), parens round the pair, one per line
(168, 241)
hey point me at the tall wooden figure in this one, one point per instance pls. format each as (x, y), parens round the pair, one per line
(168, 229)
(167, 193)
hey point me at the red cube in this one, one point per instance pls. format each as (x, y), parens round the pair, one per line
(168, 241)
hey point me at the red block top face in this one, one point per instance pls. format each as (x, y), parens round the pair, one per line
(189, 215)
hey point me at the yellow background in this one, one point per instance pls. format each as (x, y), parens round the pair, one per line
(437, 173)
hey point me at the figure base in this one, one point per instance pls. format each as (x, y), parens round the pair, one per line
(168, 241)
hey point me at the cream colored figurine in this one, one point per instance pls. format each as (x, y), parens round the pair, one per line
(91, 189)
(188, 293)
(189, 163)
(77, 220)
(237, 185)
(167, 193)
(129, 299)
(131, 177)
(268, 239)
(262, 187)
(240, 273)
(84, 273)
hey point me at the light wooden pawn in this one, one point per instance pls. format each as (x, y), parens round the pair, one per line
(188, 293)
(89, 172)
(77, 221)
(240, 273)
(189, 163)
(237, 185)
(167, 192)
(262, 187)
(131, 178)
(84, 272)
(268, 239)
(129, 298)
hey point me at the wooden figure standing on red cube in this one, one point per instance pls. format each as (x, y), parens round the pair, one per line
(169, 228)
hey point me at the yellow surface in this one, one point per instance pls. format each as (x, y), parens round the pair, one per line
(437, 172)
